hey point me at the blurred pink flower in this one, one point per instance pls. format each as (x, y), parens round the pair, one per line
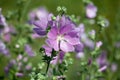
(91, 11)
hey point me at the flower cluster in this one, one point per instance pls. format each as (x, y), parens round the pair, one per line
(3, 30)
(15, 67)
(18, 67)
(61, 32)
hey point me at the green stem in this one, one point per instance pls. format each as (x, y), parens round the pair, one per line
(83, 76)
(48, 64)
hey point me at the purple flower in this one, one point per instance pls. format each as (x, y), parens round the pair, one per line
(2, 46)
(7, 31)
(7, 37)
(3, 49)
(28, 50)
(19, 65)
(6, 70)
(60, 39)
(2, 22)
(40, 19)
(103, 68)
(79, 50)
(63, 20)
(102, 60)
(38, 14)
(2, 19)
(80, 55)
(19, 57)
(87, 42)
(98, 44)
(63, 36)
(80, 29)
(18, 74)
(91, 11)
(83, 36)
(9, 66)
(28, 67)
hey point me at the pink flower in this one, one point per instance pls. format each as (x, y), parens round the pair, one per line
(91, 11)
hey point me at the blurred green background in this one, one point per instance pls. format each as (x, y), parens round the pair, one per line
(110, 9)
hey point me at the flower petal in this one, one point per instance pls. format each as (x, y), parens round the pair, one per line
(40, 31)
(79, 48)
(41, 24)
(73, 34)
(65, 29)
(54, 44)
(48, 50)
(52, 34)
(72, 41)
(66, 47)
(91, 11)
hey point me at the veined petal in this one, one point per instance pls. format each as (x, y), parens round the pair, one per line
(66, 47)
(48, 42)
(54, 44)
(52, 34)
(73, 34)
(62, 20)
(65, 29)
(72, 41)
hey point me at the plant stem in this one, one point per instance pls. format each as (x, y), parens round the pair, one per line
(83, 77)
(48, 64)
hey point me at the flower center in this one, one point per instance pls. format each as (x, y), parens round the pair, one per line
(60, 37)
